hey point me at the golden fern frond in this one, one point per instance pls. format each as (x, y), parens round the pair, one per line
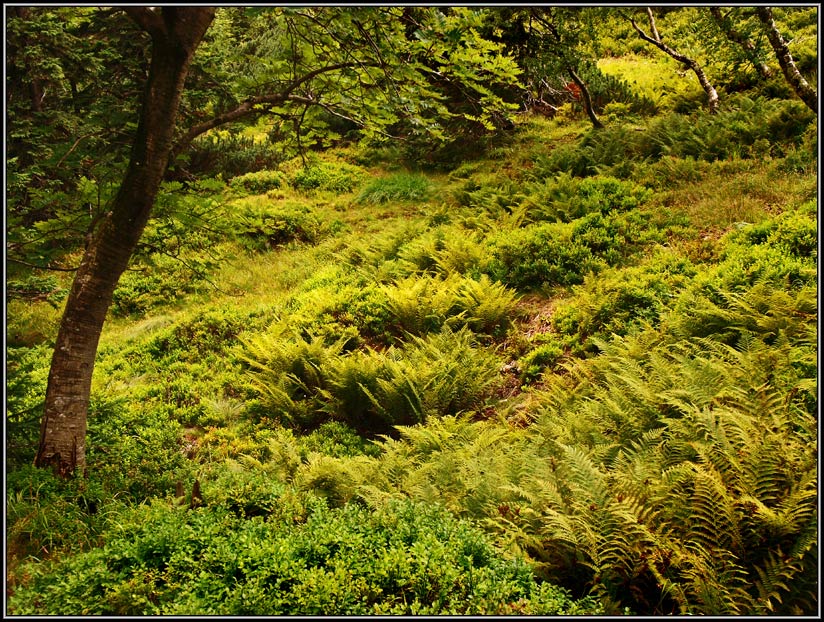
(806, 538)
(775, 580)
(713, 523)
(635, 468)
(569, 530)
(586, 481)
(714, 443)
(376, 496)
(799, 506)
(715, 583)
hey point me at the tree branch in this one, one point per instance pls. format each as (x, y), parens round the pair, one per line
(709, 89)
(725, 24)
(72, 148)
(249, 106)
(31, 265)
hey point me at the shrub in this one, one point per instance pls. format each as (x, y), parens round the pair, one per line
(265, 226)
(396, 187)
(401, 559)
(607, 91)
(740, 123)
(538, 256)
(615, 237)
(231, 155)
(135, 447)
(27, 372)
(545, 356)
(31, 323)
(778, 251)
(48, 517)
(214, 330)
(620, 301)
(364, 306)
(336, 177)
(163, 280)
(336, 439)
(258, 182)
(566, 198)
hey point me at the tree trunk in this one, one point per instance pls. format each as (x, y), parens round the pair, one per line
(176, 33)
(596, 122)
(802, 88)
(655, 39)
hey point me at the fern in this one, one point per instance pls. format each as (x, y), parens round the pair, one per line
(488, 306)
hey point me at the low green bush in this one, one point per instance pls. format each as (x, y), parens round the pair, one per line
(336, 439)
(213, 330)
(540, 358)
(338, 177)
(134, 447)
(779, 251)
(396, 187)
(265, 226)
(566, 198)
(691, 133)
(230, 154)
(161, 279)
(50, 517)
(540, 255)
(258, 182)
(27, 372)
(561, 254)
(402, 559)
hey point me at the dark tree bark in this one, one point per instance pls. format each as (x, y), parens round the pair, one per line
(655, 39)
(802, 88)
(729, 30)
(596, 122)
(175, 33)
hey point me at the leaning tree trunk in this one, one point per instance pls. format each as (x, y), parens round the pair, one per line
(596, 122)
(176, 33)
(802, 88)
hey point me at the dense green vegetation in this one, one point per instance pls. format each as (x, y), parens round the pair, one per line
(564, 370)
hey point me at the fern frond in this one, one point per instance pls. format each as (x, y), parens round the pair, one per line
(775, 578)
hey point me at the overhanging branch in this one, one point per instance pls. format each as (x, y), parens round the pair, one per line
(252, 105)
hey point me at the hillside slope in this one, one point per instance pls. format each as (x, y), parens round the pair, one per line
(579, 366)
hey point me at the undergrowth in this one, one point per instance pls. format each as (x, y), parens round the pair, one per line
(576, 375)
